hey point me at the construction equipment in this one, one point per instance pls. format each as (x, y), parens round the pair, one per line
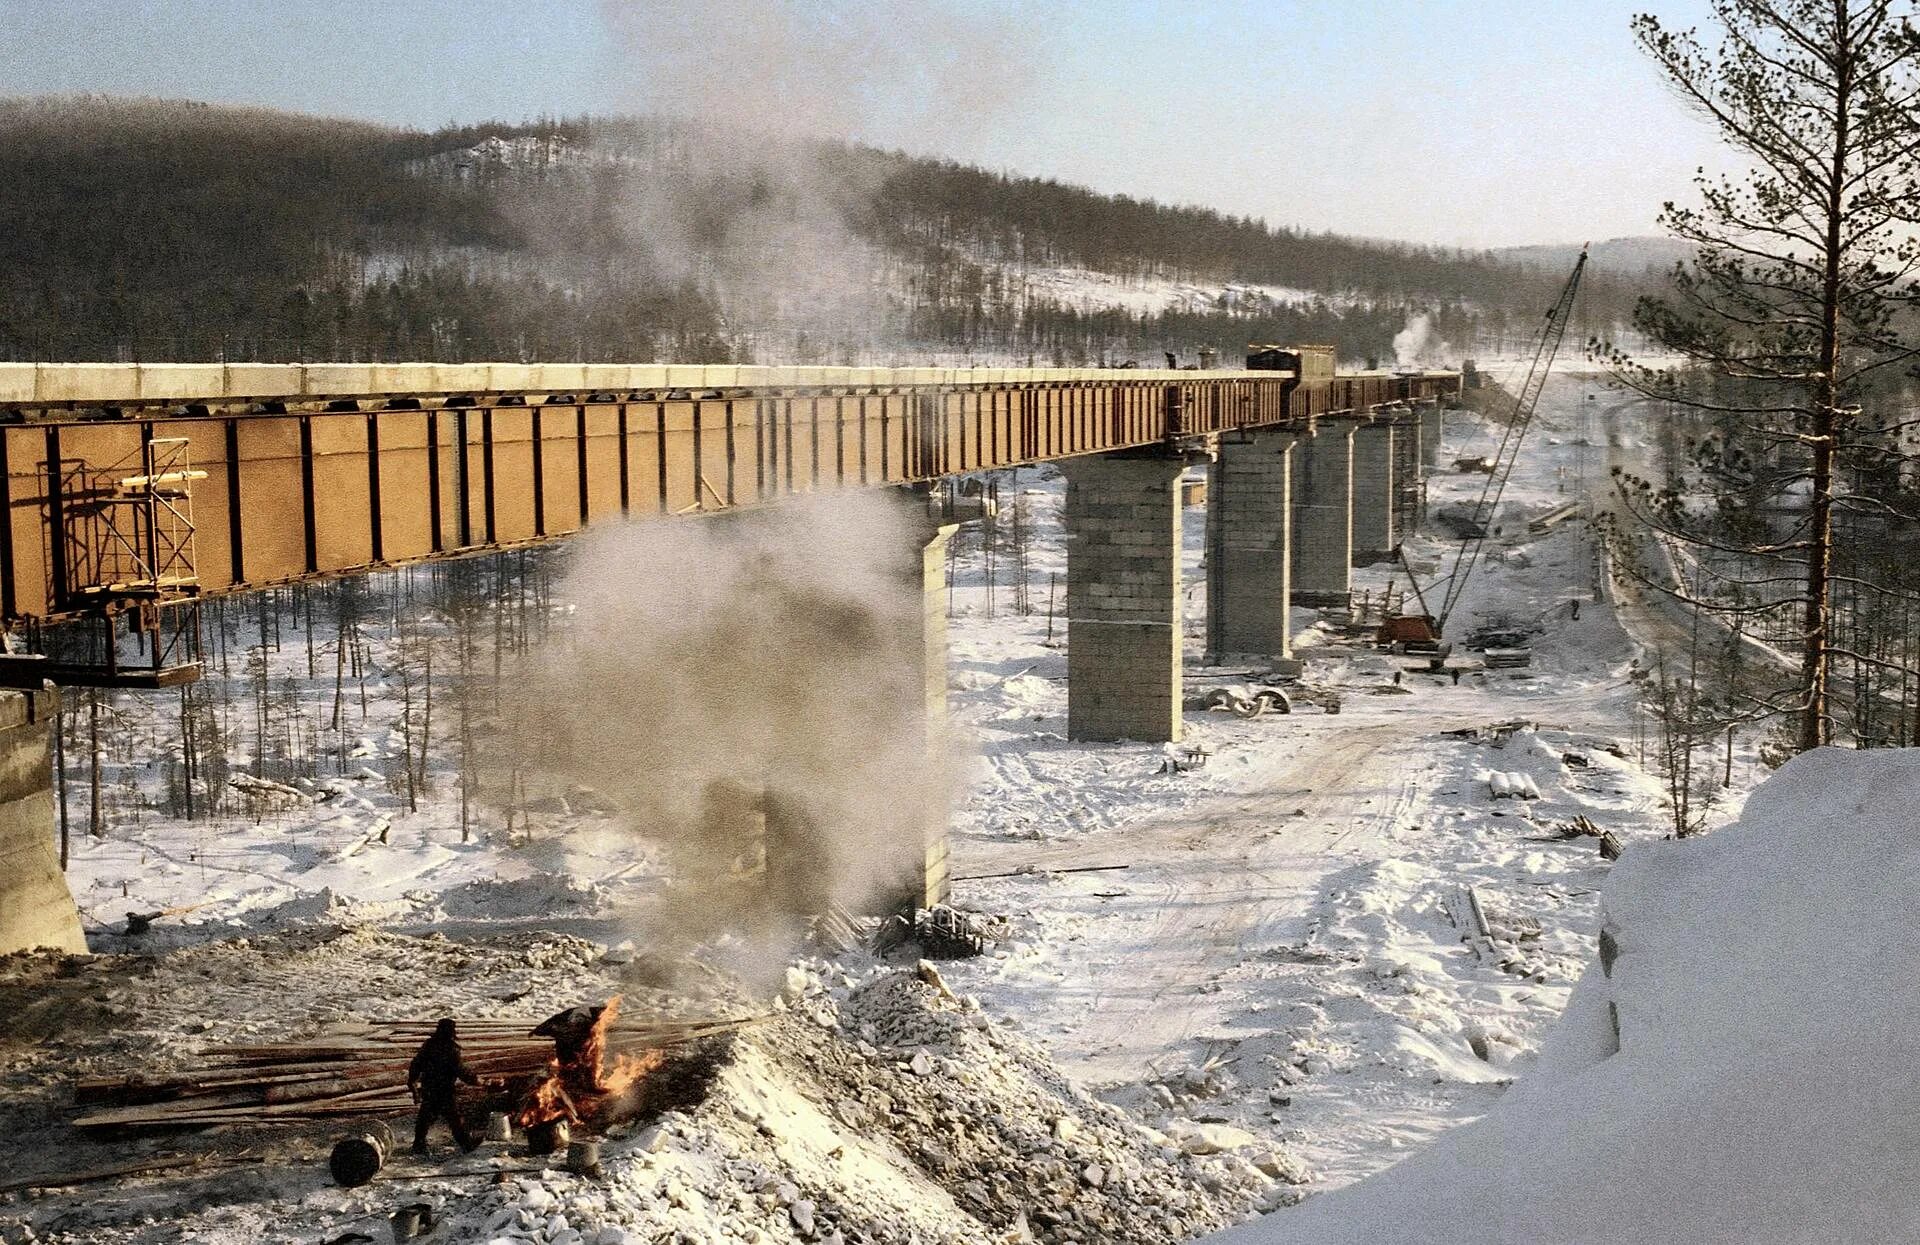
(121, 552)
(1421, 632)
(1412, 633)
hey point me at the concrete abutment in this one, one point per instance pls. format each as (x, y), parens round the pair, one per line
(805, 862)
(36, 908)
(1409, 474)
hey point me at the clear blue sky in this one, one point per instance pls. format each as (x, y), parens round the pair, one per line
(1477, 122)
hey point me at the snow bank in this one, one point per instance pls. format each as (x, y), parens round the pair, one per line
(1768, 1035)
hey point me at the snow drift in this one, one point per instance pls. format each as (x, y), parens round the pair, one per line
(1768, 1035)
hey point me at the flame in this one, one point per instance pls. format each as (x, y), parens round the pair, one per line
(590, 1084)
(593, 1051)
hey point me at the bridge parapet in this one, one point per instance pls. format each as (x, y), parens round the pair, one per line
(56, 385)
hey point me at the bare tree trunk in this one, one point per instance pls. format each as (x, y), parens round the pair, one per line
(465, 706)
(406, 733)
(187, 749)
(1815, 728)
(95, 823)
(426, 712)
(60, 768)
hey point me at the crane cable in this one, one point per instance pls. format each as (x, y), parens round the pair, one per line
(1551, 335)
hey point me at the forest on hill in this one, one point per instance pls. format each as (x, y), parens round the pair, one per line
(171, 230)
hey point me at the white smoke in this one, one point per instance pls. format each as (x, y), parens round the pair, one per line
(758, 214)
(714, 664)
(1417, 345)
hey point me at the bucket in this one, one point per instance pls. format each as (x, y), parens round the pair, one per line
(499, 1126)
(583, 1157)
(412, 1221)
(549, 1137)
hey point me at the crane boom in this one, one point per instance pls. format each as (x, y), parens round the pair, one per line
(1552, 333)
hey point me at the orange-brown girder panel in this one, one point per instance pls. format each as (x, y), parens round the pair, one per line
(322, 493)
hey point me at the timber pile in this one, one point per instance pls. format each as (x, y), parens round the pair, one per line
(359, 1070)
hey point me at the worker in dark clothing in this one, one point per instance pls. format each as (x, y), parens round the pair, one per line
(437, 1067)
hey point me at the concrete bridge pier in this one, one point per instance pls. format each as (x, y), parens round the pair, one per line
(1432, 418)
(806, 864)
(1321, 559)
(1124, 677)
(926, 878)
(1409, 475)
(1249, 539)
(1374, 534)
(36, 908)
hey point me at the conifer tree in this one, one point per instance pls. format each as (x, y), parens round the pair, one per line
(1795, 305)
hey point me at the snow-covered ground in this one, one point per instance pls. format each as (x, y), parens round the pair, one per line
(1740, 1070)
(1278, 954)
(1272, 940)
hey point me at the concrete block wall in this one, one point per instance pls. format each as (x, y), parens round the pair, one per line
(1374, 534)
(36, 909)
(1321, 563)
(1123, 597)
(1249, 536)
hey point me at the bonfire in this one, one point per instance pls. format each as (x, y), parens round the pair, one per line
(582, 1084)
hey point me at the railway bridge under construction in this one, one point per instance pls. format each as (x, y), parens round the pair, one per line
(134, 491)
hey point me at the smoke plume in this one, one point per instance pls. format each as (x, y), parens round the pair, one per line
(722, 669)
(1417, 345)
(763, 204)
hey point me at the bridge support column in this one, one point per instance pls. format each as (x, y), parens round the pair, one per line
(1322, 484)
(1409, 476)
(1374, 534)
(36, 909)
(802, 872)
(1432, 424)
(1123, 596)
(928, 878)
(1249, 533)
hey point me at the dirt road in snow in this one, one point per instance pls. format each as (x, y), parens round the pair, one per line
(1208, 887)
(1237, 876)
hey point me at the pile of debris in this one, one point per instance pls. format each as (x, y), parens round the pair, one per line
(868, 1104)
(1583, 827)
(889, 1110)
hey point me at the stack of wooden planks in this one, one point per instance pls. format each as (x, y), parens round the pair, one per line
(358, 1070)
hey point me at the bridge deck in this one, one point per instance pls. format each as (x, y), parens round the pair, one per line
(320, 470)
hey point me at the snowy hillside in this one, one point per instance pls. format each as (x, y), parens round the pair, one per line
(658, 239)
